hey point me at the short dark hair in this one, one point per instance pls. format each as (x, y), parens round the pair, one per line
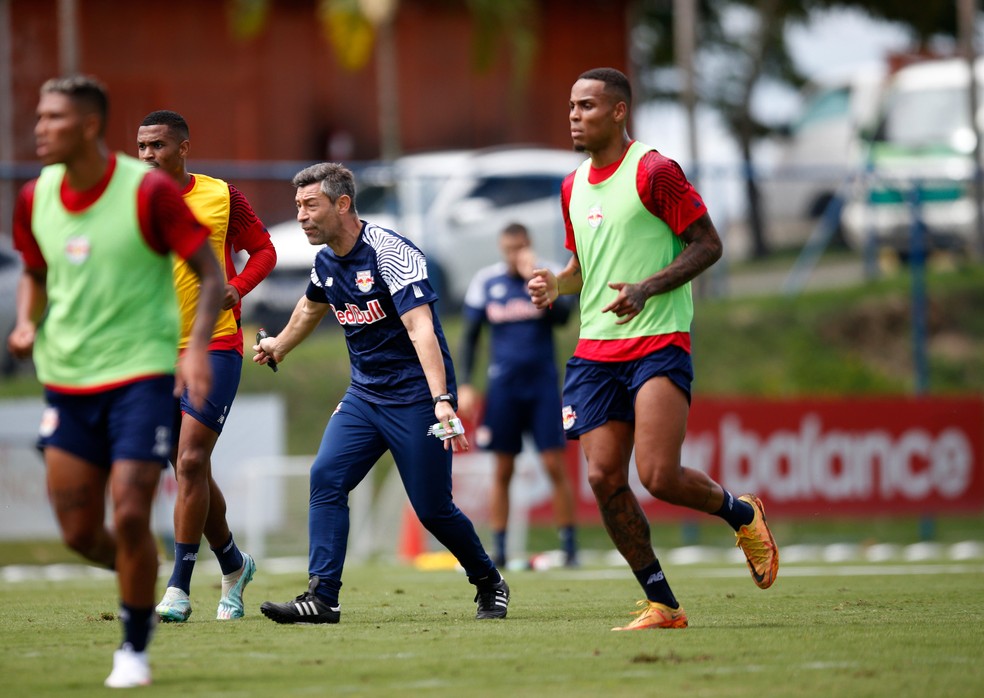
(336, 180)
(615, 82)
(516, 229)
(85, 91)
(172, 119)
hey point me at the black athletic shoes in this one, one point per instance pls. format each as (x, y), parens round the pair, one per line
(492, 599)
(305, 609)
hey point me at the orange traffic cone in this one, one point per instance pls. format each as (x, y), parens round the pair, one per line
(411, 536)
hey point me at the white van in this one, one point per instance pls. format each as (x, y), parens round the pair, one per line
(820, 153)
(923, 143)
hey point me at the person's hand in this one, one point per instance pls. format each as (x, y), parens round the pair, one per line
(629, 302)
(542, 288)
(231, 298)
(267, 350)
(445, 413)
(20, 342)
(194, 374)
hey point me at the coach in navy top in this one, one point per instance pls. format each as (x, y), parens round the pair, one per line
(523, 396)
(374, 282)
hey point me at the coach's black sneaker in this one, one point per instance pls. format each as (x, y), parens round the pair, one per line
(493, 599)
(305, 609)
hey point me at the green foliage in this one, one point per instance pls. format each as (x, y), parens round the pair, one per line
(820, 631)
(841, 342)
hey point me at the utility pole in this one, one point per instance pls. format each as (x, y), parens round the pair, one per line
(382, 15)
(68, 37)
(684, 46)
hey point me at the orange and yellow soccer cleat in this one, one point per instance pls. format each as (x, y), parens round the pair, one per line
(656, 615)
(756, 541)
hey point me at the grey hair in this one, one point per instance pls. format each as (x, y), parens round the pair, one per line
(336, 180)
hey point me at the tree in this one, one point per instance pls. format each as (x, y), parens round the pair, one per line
(735, 53)
(734, 57)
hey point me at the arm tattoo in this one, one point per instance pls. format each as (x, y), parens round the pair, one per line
(703, 248)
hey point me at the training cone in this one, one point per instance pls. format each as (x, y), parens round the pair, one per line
(411, 536)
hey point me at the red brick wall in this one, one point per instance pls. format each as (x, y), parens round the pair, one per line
(279, 95)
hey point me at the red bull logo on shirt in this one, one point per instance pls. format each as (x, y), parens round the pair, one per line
(354, 315)
(595, 216)
(364, 280)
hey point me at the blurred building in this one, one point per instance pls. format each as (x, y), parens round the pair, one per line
(294, 82)
(306, 80)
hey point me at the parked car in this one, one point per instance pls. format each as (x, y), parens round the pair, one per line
(819, 153)
(924, 138)
(452, 204)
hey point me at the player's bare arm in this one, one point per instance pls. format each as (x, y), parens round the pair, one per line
(306, 317)
(703, 248)
(32, 298)
(420, 327)
(545, 286)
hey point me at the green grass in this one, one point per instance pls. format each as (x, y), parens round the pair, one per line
(820, 631)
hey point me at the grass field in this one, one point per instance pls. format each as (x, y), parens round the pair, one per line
(872, 630)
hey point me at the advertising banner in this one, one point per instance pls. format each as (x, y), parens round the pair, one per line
(831, 457)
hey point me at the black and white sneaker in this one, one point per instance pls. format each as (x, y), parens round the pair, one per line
(492, 599)
(305, 609)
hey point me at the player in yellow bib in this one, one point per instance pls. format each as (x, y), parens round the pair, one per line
(163, 141)
(638, 233)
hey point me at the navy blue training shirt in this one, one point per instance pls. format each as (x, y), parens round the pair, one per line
(380, 279)
(521, 335)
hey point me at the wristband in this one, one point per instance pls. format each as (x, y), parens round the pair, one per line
(447, 397)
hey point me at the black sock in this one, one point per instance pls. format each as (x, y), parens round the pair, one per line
(493, 577)
(654, 583)
(736, 512)
(229, 557)
(138, 624)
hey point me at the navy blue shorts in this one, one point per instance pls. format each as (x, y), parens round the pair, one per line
(227, 367)
(513, 407)
(132, 422)
(596, 392)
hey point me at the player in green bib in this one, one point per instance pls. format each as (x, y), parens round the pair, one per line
(96, 308)
(639, 233)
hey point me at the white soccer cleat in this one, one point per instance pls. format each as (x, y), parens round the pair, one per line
(231, 604)
(130, 669)
(175, 607)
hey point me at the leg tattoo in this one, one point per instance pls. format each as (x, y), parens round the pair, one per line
(628, 528)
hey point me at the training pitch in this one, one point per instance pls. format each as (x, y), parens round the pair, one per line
(821, 630)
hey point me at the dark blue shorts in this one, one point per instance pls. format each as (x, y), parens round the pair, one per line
(596, 392)
(227, 367)
(132, 422)
(515, 407)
